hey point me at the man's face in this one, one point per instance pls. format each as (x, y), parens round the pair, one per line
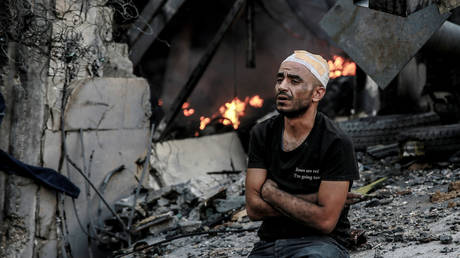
(294, 88)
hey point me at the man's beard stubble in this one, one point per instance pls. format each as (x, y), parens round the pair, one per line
(294, 113)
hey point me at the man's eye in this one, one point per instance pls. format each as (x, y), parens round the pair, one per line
(295, 81)
(279, 80)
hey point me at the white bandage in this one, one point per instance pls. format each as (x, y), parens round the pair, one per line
(316, 64)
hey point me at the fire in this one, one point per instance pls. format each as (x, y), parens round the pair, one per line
(232, 111)
(256, 101)
(187, 110)
(204, 121)
(341, 67)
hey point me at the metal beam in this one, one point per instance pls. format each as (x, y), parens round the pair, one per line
(160, 19)
(197, 72)
(250, 48)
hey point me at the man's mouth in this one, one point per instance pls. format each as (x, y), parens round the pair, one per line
(283, 96)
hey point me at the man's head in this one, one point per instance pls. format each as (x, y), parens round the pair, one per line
(300, 83)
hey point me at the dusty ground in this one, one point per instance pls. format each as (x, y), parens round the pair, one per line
(399, 220)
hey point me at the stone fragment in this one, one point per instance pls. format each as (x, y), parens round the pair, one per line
(454, 186)
(232, 203)
(446, 239)
(440, 197)
(188, 225)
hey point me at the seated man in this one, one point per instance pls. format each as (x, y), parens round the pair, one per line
(301, 166)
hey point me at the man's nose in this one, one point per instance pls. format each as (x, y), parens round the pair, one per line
(283, 86)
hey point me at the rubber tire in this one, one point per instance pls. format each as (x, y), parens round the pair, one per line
(437, 140)
(370, 131)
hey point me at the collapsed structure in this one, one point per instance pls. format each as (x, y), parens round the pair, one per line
(73, 104)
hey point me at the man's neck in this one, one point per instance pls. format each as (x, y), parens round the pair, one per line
(299, 126)
(296, 130)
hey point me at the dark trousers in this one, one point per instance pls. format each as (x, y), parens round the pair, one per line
(314, 246)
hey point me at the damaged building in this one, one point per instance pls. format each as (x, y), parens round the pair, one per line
(124, 124)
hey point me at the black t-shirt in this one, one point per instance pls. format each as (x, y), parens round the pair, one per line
(326, 154)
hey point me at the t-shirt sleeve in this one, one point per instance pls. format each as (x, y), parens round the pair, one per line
(339, 161)
(256, 149)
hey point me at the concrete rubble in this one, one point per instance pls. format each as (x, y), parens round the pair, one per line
(398, 218)
(181, 160)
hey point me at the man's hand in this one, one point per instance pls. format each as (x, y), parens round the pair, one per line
(256, 207)
(353, 198)
(322, 215)
(268, 187)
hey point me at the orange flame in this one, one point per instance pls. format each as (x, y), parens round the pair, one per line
(341, 67)
(256, 101)
(204, 121)
(232, 111)
(187, 110)
(160, 102)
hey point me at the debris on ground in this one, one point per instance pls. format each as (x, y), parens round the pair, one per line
(410, 206)
(179, 211)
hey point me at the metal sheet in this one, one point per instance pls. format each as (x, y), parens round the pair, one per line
(380, 43)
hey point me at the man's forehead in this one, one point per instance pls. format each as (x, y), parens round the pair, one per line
(295, 69)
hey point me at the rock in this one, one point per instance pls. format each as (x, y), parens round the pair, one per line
(454, 186)
(440, 197)
(189, 226)
(232, 203)
(447, 250)
(446, 239)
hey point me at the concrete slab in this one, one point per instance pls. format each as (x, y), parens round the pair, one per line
(111, 149)
(46, 220)
(114, 116)
(181, 160)
(107, 104)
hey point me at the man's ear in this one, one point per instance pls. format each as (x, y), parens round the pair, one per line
(318, 93)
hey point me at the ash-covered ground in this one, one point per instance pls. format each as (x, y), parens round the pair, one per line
(413, 213)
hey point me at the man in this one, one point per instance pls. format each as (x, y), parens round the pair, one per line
(300, 168)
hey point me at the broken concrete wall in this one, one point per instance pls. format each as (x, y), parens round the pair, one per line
(181, 160)
(21, 136)
(112, 114)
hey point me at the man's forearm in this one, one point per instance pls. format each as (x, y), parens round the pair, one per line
(295, 207)
(258, 209)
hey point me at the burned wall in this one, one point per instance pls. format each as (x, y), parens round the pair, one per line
(71, 97)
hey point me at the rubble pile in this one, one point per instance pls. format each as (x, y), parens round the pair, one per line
(176, 211)
(401, 216)
(409, 209)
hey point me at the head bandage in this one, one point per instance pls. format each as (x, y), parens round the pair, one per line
(314, 63)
